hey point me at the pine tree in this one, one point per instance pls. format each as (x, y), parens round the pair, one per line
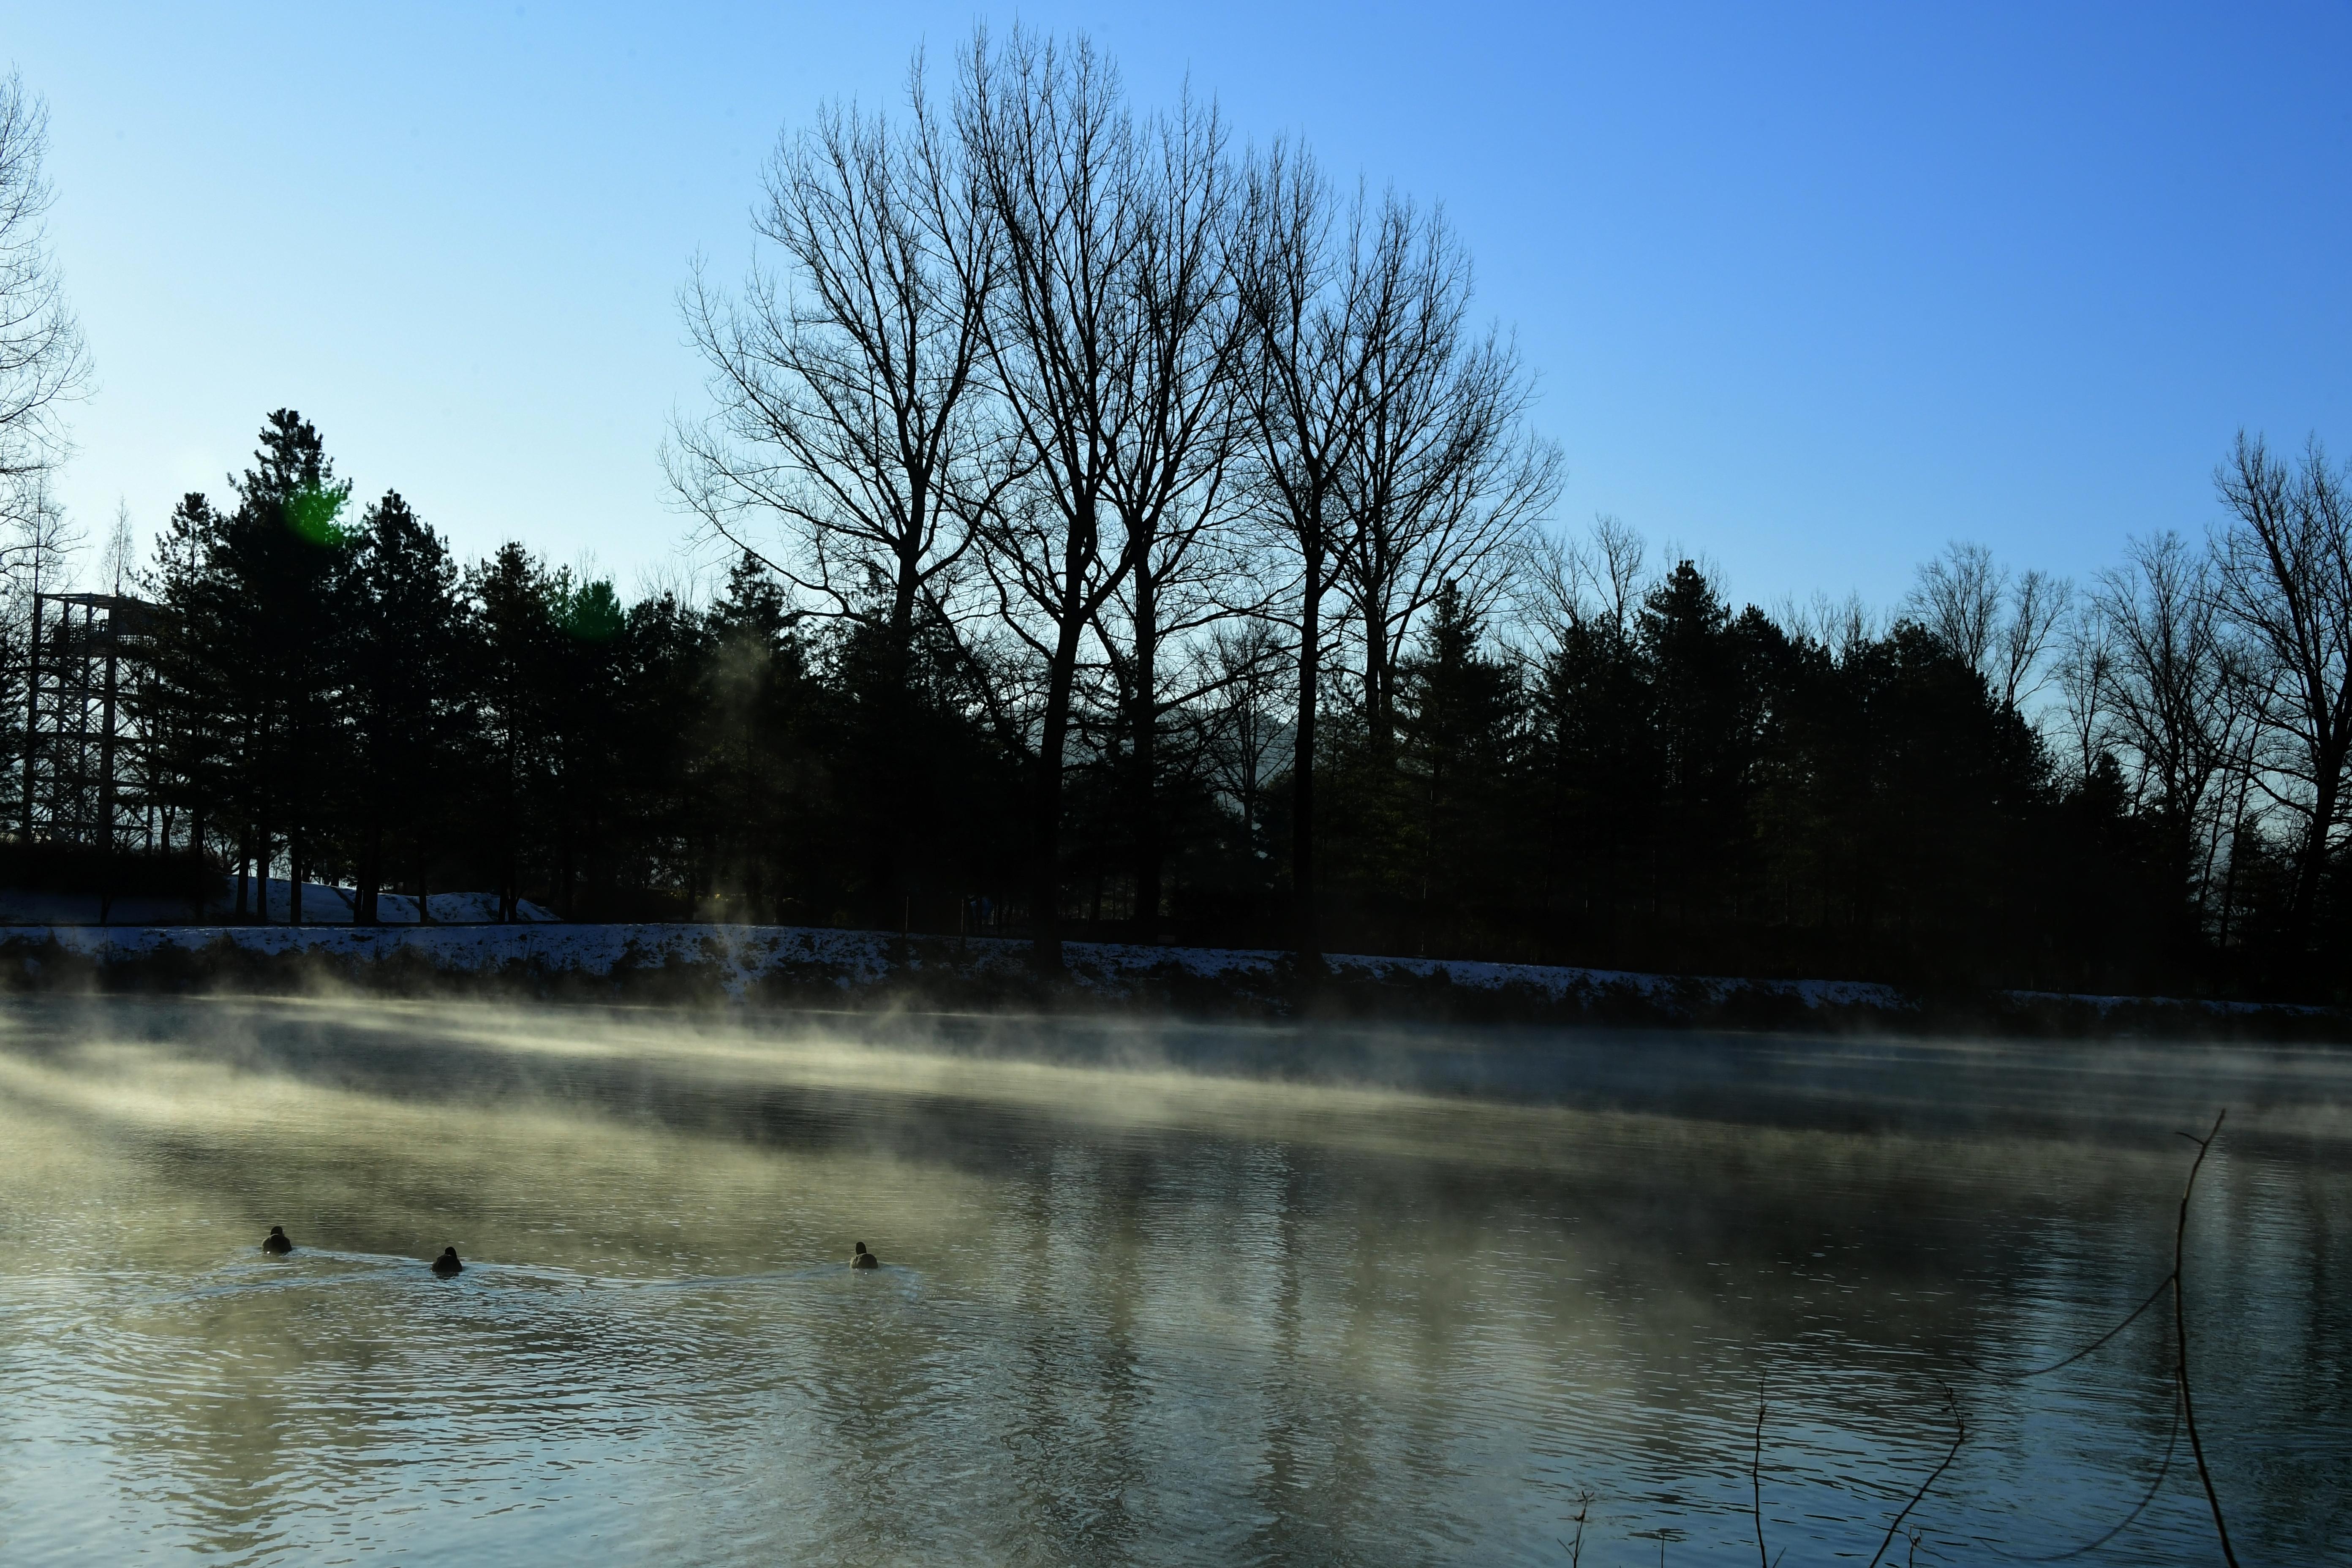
(1462, 732)
(512, 633)
(253, 655)
(754, 708)
(405, 704)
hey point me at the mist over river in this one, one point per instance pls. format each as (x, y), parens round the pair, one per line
(1172, 1294)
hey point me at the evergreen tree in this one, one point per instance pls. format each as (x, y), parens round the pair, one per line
(1462, 732)
(585, 796)
(753, 773)
(189, 705)
(510, 661)
(1597, 784)
(254, 652)
(406, 703)
(288, 547)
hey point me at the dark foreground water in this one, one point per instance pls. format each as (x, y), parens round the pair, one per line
(1181, 1296)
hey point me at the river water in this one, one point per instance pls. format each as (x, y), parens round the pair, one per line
(1173, 1295)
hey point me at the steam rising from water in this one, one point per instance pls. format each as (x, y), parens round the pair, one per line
(1152, 1294)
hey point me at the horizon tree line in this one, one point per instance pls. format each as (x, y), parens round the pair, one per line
(1129, 533)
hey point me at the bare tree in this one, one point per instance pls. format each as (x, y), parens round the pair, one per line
(2284, 579)
(1577, 584)
(42, 359)
(39, 546)
(2037, 608)
(1169, 471)
(1308, 306)
(1384, 441)
(849, 407)
(119, 561)
(2001, 626)
(2170, 691)
(1055, 153)
(1839, 625)
(1243, 684)
(2240, 801)
(2087, 672)
(1958, 599)
(845, 391)
(1440, 480)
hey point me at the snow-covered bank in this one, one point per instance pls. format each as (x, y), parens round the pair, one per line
(323, 904)
(739, 959)
(792, 966)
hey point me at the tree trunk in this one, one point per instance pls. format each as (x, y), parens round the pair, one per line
(294, 877)
(371, 876)
(2305, 916)
(895, 858)
(1309, 939)
(31, 713)
(508, 872)
(1149, 851)
(1045, 819)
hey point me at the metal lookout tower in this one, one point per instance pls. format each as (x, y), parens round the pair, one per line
(82, 781)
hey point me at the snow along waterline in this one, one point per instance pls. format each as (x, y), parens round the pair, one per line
(825, 967)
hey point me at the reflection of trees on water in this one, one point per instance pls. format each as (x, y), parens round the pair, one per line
(1136, 1316)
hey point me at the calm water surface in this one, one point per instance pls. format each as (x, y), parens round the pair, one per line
(1181, 1296)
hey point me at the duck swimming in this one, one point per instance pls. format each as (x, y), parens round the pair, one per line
(276, 1243)
(861, 1258)
(446, 1266)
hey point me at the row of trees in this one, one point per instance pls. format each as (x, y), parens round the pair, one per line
(2009, 781)
(1131, 535)
(1085, 389)
(333, 694)
(1167, 436)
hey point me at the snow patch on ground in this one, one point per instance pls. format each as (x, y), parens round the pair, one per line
(323, 904)
(851, 960)
(2104, 1005)
(739, 957)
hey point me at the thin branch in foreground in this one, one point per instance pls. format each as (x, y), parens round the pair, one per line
(2130, 1318)
(2181, 1411)
(1959, 1436)
(1756, 1484)
(2181, 1338)
(1576, 1552)
(2172, 1444)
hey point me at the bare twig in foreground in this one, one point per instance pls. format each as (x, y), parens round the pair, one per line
(2162, 1470)
(1576, 1552)
(1756, 1484)
(2129, 1320)
(2181, 1339)
(1959, 1436)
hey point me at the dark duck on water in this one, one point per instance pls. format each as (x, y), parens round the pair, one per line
(861, 1258)
(446, 1266)
(275, 1242)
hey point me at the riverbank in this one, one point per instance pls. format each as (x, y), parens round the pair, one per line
(790, 966)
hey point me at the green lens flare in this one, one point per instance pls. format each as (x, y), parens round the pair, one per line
(311, 511)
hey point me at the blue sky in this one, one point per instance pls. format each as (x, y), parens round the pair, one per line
(1810, 290)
